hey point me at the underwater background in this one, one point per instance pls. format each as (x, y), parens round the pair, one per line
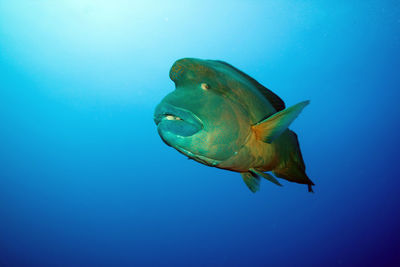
(86, 180)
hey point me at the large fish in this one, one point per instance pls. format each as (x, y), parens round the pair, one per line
(221, 117)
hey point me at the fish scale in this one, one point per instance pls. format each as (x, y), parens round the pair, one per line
(221, 117)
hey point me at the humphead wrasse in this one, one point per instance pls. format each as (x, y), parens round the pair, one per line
(221, 117)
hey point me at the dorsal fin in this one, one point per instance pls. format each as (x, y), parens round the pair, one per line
(275, 100)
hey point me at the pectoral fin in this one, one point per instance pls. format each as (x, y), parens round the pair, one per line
(272, 127)
(267, 176)
(252, 181)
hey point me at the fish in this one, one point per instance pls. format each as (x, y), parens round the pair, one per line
(223, 118)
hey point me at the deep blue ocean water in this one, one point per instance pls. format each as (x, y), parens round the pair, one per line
(85, 180)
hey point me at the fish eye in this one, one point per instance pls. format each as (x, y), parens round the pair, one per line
(205, 86)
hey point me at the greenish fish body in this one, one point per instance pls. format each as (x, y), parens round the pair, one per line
(221, 117)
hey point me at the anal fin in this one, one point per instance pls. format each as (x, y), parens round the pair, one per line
(267, 176)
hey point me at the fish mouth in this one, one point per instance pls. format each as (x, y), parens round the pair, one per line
(176, 120)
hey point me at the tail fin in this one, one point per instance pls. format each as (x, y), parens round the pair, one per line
(292, 166)
(310, 188)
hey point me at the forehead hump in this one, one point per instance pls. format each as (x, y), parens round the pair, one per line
(191, 68)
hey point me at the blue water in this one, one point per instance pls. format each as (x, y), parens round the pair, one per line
(86, 180)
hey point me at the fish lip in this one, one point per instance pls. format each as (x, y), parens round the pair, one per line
(162, 111)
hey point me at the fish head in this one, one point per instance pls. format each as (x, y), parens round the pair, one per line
(201, 118)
